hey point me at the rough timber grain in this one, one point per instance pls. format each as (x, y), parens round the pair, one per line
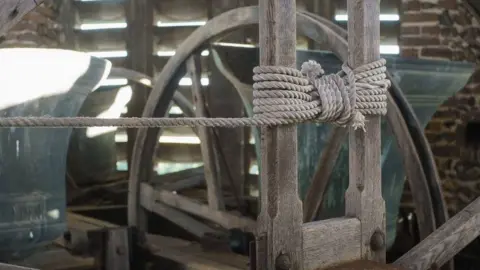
(363, 198)
(281, 215)
(328, 242)
(446, 242)
(214, 188)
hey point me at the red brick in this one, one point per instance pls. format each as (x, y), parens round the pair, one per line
(410, 30)
(410, 53)
(419, 41)
(437, 52)
(420, 17)
(431, 30)
(448, 4)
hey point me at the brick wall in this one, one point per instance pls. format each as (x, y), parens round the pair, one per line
(447, 30)
(39, 28)
(439, 29)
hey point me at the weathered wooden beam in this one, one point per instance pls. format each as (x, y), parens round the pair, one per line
(188, 255)
(363, 198)
(214, 186)
(139, 43)
(151, 196)
(11, 12)
(280, 221)
(440, 246)
(328, 242)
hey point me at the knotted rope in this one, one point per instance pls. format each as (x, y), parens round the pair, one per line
(281, 96)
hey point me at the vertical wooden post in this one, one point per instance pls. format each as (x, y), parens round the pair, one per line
(139, 41)
(364, 195)
(279, 238)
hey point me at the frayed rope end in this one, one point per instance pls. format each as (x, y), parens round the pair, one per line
(358, 121)
(312, 69)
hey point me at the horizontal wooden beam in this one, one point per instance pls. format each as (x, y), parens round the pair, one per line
(330, 241)
(111, 11)
(443, 244)
(150, 196)
(192, 256)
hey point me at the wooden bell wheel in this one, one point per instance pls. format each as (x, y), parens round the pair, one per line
(143, 197)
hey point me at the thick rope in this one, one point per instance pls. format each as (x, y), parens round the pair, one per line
(281, 96)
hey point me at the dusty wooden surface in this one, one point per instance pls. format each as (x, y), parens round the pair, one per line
(151, 197)
(281, 213)
(11, 12)
(328, 242)
(364, 195)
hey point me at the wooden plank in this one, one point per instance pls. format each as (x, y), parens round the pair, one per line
(281, 215)
(363, 198)
(151, 196)
(439, 247)
(192, 256)
(328, 242)
(214, 186)
(180, 11)
(11, 12)
(100, 12)
(188, 223)
(386, 7)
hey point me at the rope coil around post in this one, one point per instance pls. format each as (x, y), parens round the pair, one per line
(282, 96)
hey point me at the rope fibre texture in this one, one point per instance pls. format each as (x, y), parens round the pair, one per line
(281, 96)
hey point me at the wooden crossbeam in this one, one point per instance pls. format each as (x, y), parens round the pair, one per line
(439, 247)
(150, 197)
(328, 242)
(11, 12)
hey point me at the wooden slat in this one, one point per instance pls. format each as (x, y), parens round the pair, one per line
(386, 6)
(363, 198)
(101, 40)
(181, 10)
(186, 254)
(150, 196)
(169, 38)
(328, 242)
(191, 255)
(99, 12)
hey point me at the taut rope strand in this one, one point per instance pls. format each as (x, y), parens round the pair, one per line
(281, 96)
